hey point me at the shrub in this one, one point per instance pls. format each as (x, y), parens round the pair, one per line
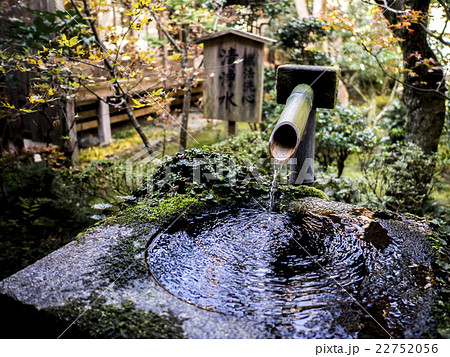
(342, 131)
(298, 35)
(393, 122)
(401, 175)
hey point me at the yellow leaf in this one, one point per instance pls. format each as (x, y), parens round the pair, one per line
(137, 26)
(7, 105)
(73, 41)
(176, 56)
(21, 69)
(157, 92)
(63, 41)
(135, 5)
(51, 92)
(33, 98)
(138, 104)
(131, 12)
(158, 7)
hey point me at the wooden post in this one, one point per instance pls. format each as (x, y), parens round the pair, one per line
(232, 128)
(104, 123)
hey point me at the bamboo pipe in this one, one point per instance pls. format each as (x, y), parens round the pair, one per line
(288, 132)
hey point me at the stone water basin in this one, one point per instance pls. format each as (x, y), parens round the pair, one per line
(320, 270)
(299, 274)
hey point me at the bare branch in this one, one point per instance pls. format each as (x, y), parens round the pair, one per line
(74, 59)
(430, 33)
(148, 88)
(166, 33)
(123, 37)
(92, 92)
(384, 5)
(398, 80)
(445, 7)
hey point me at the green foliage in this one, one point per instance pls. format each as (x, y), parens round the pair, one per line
(401, 176)
(21, 35)
(235, 169)
(248, 14)
(340, 132)
(124, 134)
(297, 34)
(393, 122)
(115, 321)
(250, 148)
(207, 174)
(40, 210)
(398, 178)
(271, 110)
(345, 189)
(44, 204)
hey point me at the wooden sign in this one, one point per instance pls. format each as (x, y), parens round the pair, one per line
(234, 71)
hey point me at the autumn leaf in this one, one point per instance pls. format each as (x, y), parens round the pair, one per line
(137, 103)
(20, 68)
(157, 92)
(7, 105)
(158, 7)
(73, 41)
(35, 99)
(137, 26)
(69, 43)
(131, 12)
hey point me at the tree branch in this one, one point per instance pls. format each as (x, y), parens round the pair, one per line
(398, 80)
(92, 92)
(167, 34)
(430, 33)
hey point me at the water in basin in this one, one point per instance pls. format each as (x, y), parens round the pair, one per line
(298, 275)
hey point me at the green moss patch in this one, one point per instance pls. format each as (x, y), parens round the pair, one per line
(151, 210)
(101, 320)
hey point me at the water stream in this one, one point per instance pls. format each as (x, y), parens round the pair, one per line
(277, 166)
(298, 275)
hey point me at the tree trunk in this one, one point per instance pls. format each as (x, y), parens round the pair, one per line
(302, 9)
(425, 106)
(187, 94)
(185, 114)
(110, 68)
(319, 6)
(136, 124)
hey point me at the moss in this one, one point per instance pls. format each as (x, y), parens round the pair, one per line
(149, 210)
(126, 260)
(101, 320)
(306, 191)
(441, 265)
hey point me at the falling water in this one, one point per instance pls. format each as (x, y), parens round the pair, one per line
(276, 170)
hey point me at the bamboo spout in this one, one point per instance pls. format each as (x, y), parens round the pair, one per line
(291, 125)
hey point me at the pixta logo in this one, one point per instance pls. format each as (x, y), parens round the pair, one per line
(140, 166)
